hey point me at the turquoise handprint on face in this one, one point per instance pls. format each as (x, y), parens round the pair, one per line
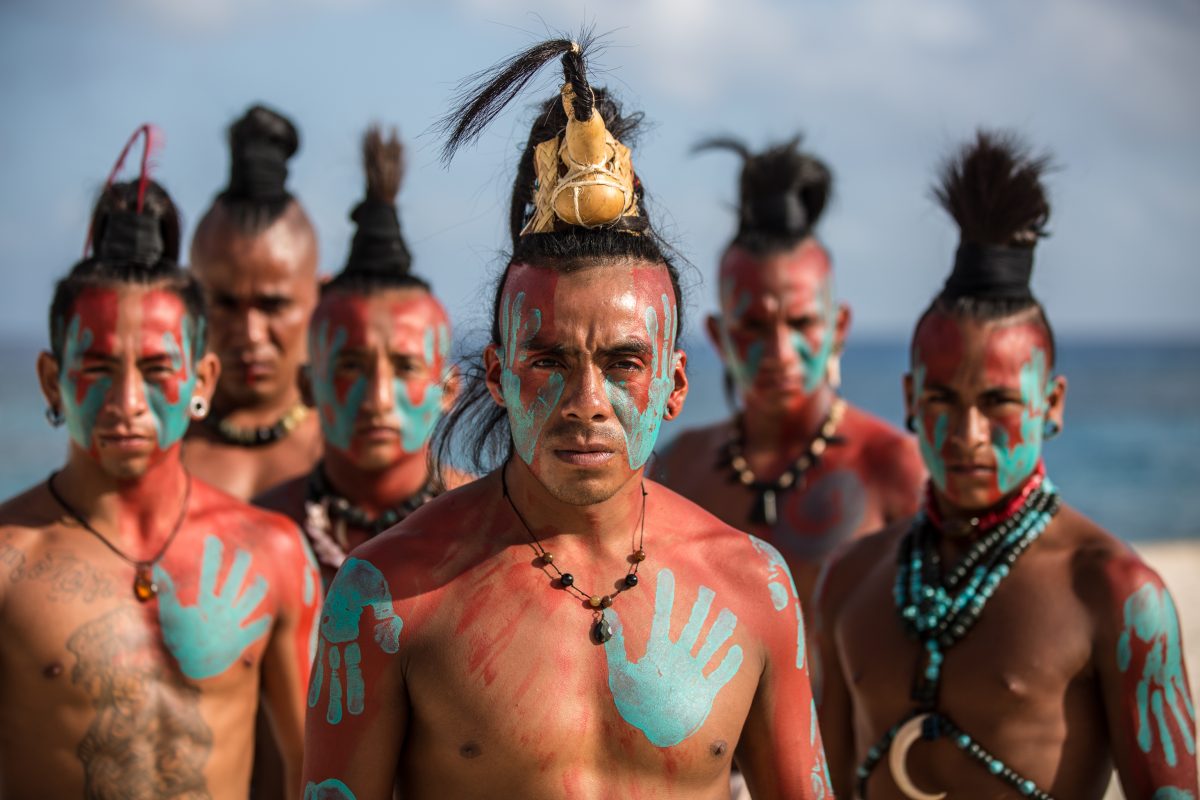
(1151, 633)
(931, 446)
(337, 400)
(80, 412)
(666, 694)
(783, 591)
(357, 587)
(417, 419)
(171, 415)
(207, 637)
(1016, 462)
(516, 329)
(641, 427)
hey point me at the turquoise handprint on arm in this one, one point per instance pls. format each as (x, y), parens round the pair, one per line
(206, 638)
(1151, 633)
(666, 694)
(783, 591)
(331, 789)
(526, 423)
(641, 427)
(357, 587)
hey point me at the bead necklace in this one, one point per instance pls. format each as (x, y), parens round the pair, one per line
(144, 587)
(940, 610)
(258, 436)
(766, 510)
(601, 628)
(332, 550)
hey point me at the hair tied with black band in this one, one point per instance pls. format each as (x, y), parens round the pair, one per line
(124, 235)
(260, 143)
(782, 191)
(378, 246)
(992, 189)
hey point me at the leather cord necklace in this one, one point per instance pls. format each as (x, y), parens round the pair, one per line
(144, 587)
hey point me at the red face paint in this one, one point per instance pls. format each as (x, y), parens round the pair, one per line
(587, 363)
(979, 402)
(127, 375)
(778, 323)
(378, 366)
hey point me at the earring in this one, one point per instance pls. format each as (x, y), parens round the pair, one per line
(1050, 430)
(910, 423)
(833, 371)
(55, 416)
(198, 407)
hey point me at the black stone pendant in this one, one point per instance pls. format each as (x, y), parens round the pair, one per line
(602, 631)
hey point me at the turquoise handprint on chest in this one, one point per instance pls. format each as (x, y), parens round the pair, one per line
(208, 636)
(666, 693)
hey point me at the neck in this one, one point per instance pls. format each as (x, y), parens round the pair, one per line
(774, 436)
(968, 524)
(611, 520)
(376, 491)
(133, 511)
(255, 412)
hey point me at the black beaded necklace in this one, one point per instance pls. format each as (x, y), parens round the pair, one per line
(939, 610)
(258, 436)
(601, 628)
(342, 510)
(766, 509)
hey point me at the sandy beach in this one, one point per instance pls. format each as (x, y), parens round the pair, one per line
(1179, 565)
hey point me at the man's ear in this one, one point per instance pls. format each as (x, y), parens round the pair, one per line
(304, 383)
(1056, 401)
(207, 370)
(47, 370)
(492, 368)
(712, 326)
(680, 388)
(843, 327)
(910, 410)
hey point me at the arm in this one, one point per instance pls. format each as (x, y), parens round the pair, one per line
(780, 751)
(357, 704)
(1147, 699)
(289, 652)
(833, 699)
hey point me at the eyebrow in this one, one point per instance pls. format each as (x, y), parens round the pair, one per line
(625, 347)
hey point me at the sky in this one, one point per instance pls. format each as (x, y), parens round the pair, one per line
(882, 91)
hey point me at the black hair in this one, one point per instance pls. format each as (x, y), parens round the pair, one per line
(260, 144)
(992, 188)
(379, 258)
(782, 193)
(130, 248)
(486, 437)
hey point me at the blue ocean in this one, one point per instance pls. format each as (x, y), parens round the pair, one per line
(1129, 456)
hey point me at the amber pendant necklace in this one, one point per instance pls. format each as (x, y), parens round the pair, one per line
(601, 628)
(144, 587)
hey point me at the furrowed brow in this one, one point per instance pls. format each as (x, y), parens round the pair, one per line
(630, 347)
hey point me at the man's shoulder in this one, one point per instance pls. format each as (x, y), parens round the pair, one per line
(231, 517)
(30, 510)
(1105, 570)
(286, 498)
(879, 442)
(856, 561)
(692, 443)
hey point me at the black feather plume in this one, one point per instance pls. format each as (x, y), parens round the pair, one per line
(485, 94)
(992, 188)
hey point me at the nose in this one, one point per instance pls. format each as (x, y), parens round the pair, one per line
(381, 388)
(780, 346)
(970, 428)
(585, 399)
(128, 394)
(248, 326)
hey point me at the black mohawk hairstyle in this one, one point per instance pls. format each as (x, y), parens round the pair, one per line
(992, 189)
(379, 257)
(260, 144)
(782, 193)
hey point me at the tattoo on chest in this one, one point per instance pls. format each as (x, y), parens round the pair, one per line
(67, 577)
(1149, 647)
(666, 694)
(148, 739)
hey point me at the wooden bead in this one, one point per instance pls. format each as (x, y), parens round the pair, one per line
(547, 558)
(594, 601)
(605, 602)
(639, 555)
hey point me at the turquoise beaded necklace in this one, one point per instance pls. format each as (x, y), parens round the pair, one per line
(938, 611)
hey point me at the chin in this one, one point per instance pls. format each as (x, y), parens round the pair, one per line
(376, 457)
(578, 487)
(126, 469)
(972, 498)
